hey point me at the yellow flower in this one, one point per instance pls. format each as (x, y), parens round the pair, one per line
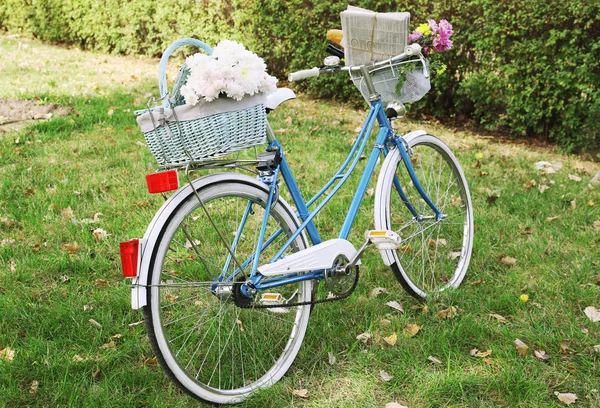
(424, 29)
(441, 69)
(524, 298)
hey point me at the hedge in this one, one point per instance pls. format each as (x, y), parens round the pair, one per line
(531, 67)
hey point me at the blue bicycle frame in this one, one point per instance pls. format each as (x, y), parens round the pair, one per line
(385, 139)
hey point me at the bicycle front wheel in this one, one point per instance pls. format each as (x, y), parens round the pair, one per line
(211, 347)
(434, 254)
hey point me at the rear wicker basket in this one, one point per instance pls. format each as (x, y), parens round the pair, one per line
(178, 134)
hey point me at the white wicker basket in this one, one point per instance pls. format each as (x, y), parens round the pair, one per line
(178, 135)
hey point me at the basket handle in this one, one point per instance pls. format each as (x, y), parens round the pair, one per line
(162, 66)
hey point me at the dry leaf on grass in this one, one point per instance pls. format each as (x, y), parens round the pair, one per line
(391, 339)
(385, 322)
(67, 213)
(480, 354)
(303, 393)
(12, 265)
(434, 360)
(33, 387)
(394, 405)
(550, 219)
(136, 323)
(574, 177)
(507, 260)
(385, 376)
(7, 354)
(100, 234)
(411, 330)
(541, 355)
(395, 305)
(101, 283)
(498, 317)
(592, 313)
(95, 323)
(71, 247)
(109, 345)
(566, 398)
(597, 348)
(151, 361)
(597, 225)
(378, 291)
(521, 347)
(448, 313)
(331, 358)
(364, 337)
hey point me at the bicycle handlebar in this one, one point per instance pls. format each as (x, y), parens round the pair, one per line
(412, 50)
(307, 73)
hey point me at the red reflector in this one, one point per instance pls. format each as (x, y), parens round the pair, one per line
(162, 182)
(129, 257)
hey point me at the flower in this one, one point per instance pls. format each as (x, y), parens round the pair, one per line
(231, 70)
(433, 37)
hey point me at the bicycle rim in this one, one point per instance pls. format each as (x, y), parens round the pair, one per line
(434, 254)
(213, 349)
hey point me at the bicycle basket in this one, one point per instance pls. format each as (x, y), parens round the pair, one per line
(178, 134)
(386, 78)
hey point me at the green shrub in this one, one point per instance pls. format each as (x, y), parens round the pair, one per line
(531, 67)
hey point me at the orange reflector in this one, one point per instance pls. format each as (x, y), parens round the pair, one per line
(162, 182)
(272, 297)
(129, 258)
(377, 233)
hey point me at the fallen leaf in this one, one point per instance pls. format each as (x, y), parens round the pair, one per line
(521, 347)
(527, 231)
(303, 393)
(597, 348)
(448, 313)
(12, 265)
(391, 339)
(109, 345)
(71, 247)
(364, 337)
(370, 192)
(101, 283)
(541, 355)
(100, 234)
(331, 358)
(434, 360)
(136, 323)
(550, 219)
(395, 305)
(543, 188)
(394, 405)
(590, 203)
(385, 322)
(584, 330)
(78, 359)
(480, 354)
(597, 225)
(507, 260)
(498, 317)
(476, 283)
(564, 346)
(67, 213)
(377, 291)
(97, 374)
(411, 330)
(151, 361)
(453, 255)
(33, 388)
(91, 220)
(574, 177)
(574, 204)
(7, 354)
(95, 323)
(566, 398)
(592, 313)
(385, 376)
(529, 184)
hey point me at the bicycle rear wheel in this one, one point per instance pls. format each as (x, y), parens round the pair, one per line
(434, 254)
(207, 344)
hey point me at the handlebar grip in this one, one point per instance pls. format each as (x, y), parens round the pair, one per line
(307, 73)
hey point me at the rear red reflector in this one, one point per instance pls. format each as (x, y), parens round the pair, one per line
(129, 257)
(162, 182)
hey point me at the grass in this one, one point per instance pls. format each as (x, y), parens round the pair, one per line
(55, 277)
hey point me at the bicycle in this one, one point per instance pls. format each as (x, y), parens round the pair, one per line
(226, 273)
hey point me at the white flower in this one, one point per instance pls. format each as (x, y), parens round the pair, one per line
(231, 70)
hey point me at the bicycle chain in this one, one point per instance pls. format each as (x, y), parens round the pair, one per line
(312, 302)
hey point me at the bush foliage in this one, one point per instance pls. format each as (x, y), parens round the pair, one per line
(530, 67)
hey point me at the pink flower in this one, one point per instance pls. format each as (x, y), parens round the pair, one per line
(414, 36)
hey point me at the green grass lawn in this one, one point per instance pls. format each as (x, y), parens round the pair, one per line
(65, 310)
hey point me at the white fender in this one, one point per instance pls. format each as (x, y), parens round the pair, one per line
(382, 196)
(278, 97)
(138, 290)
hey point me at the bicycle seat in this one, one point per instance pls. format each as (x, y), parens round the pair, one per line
(278, 97)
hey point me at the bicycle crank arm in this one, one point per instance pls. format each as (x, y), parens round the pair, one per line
(320, 256)
(382, 240)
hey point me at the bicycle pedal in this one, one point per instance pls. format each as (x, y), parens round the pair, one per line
(383, 239)
(274, 299)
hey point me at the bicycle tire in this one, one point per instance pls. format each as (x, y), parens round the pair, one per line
(433, 255)
(207, 345)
